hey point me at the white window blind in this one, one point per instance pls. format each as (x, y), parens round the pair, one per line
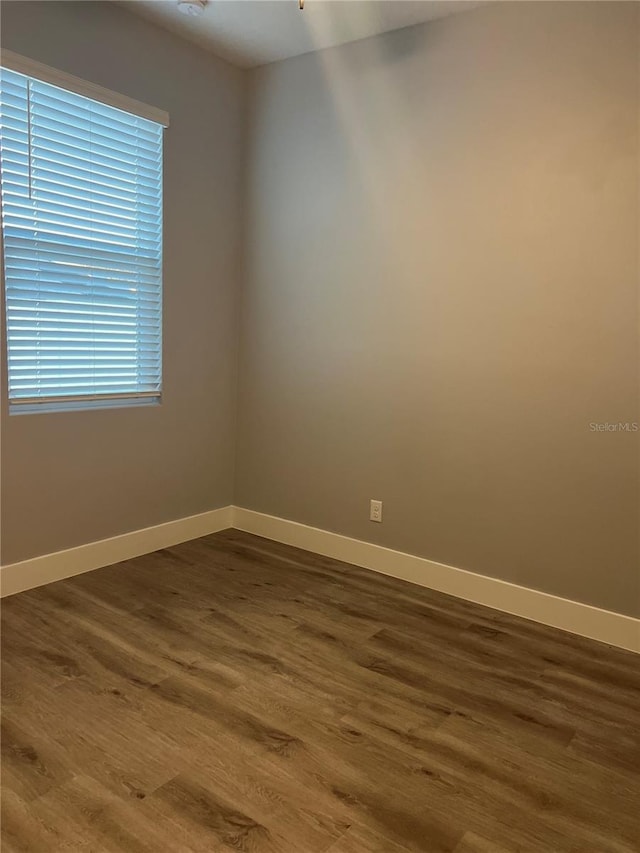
(82, 227)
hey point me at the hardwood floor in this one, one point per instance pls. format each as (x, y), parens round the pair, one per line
(234, 694)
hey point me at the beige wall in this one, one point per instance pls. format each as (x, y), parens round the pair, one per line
(441, 282)
(441, 294)
(76, 477)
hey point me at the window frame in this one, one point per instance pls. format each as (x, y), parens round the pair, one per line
(52, 403)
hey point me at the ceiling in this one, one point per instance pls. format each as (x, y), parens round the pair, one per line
(254, 32)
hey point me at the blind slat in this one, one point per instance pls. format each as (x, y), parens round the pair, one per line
(113, 259)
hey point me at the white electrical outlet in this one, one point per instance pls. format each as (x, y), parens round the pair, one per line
(375, 511)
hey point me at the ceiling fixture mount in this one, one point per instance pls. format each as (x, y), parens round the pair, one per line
(195, 8)
(192, 7)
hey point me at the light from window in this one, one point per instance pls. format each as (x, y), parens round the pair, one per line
(82, 226)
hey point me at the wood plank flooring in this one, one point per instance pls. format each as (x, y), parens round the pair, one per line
(233, 694)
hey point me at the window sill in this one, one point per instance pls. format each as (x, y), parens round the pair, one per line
(52, 405)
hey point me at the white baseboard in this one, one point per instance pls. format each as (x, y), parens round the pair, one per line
(572, 616)
(27, 574)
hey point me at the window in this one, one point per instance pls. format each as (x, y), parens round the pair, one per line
(81, 188)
